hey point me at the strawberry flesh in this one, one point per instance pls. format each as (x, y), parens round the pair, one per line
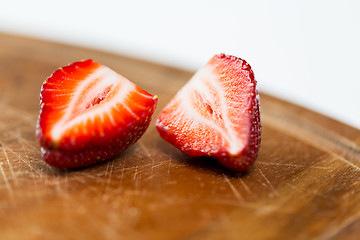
(89, 113)
(216, 114)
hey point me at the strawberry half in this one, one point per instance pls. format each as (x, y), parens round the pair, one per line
(216, 114)
(90, 113)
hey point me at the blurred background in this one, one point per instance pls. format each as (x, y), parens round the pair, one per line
(306, 52)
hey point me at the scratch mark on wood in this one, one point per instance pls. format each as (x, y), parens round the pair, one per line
(305, 191)
(267, 180)
(142, 145)
(109, 171)
(292, 165)
(8, 161)
(26, 142)
(256, 207)
(153, 167)
(107, 167)
(25, 115)
(122, 175)
(233, 189)
(347, 162)
(149, 156)
(32, 168)
(311, 133)
(245, 186)
(144, 168)
(7, 184)
(136, 169)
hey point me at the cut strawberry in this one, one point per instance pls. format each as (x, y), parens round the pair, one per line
(90, 113)
(216, 114)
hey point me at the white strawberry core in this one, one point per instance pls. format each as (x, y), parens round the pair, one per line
(101, 79)
(201, 82)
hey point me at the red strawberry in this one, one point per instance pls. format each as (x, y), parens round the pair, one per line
(90, 113)
(216, 114)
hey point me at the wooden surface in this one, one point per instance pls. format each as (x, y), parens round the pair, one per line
(304, 185)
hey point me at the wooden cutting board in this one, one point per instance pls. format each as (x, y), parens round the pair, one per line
(304, 185)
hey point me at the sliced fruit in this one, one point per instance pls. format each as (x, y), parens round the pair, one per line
(89, 113)
(216, 114)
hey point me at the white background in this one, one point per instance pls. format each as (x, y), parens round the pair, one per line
(304, 51)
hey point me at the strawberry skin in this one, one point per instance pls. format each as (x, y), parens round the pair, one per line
(89, 113)
(216, 114)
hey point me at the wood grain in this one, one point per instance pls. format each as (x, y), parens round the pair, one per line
(304, 185)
